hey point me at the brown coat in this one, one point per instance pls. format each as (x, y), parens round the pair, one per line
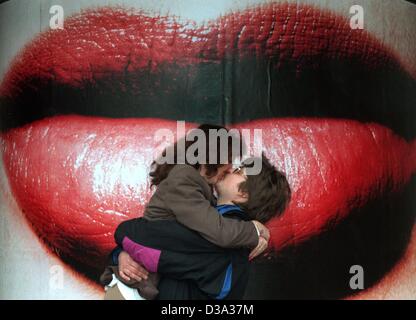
(186, 196)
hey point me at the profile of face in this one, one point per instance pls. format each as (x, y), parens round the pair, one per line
(331, 84)
(228, 187)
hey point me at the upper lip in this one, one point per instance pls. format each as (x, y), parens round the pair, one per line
(82, 63)
(161, 67)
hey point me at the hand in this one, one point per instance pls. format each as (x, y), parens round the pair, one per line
(261, 246)
(264, 232)
(128, 268)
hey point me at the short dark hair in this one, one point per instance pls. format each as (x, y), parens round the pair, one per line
(268, 192)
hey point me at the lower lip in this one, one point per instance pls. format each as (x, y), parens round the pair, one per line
(95, 174)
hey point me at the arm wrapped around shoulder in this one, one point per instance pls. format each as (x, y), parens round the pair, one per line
(186, 197)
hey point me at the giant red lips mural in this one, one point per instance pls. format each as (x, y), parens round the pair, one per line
(77, 168)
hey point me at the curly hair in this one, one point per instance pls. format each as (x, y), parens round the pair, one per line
(160, 171)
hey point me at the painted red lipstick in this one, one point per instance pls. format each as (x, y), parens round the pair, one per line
(77, 177)
(76, 180)
(106, 42)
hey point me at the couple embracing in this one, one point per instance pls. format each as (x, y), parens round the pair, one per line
(190, 244)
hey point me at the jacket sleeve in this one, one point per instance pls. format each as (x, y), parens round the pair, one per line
(185, 198)
(176, 252)
(128, 228)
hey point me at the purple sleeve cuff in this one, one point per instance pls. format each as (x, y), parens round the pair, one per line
(147, 257)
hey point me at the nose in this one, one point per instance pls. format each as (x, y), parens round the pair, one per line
(229, 170)
(225, 172)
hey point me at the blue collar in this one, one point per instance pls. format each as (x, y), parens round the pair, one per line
(226, 208)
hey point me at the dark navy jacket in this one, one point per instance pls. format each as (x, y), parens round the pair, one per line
(190, 266)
